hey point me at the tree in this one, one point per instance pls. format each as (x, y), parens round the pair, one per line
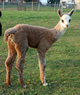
(53, 1)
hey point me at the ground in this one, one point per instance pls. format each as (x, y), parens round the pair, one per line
(63, 58)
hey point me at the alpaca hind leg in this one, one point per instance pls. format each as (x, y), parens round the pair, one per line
(21, 52)
(9, 62)
(42, 65)
(19, 66)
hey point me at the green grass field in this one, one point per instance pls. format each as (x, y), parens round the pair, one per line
(63, 58)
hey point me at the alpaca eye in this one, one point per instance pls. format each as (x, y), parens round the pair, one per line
(62, 21)
(70, 20)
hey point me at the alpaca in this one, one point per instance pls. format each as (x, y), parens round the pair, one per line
(22, 36)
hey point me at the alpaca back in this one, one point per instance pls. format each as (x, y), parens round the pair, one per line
(35, 34)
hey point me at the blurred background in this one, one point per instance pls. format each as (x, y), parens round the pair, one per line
(39, 5)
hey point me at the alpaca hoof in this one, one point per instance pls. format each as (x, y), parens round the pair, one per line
(45, 84)
(24, 86)
(9, 85)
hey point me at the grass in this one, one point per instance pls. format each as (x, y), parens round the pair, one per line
(63, 58)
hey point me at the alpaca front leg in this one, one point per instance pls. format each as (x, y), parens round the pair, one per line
(42, 74)
(42, 65)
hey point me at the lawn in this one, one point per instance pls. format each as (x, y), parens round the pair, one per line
(63, 58)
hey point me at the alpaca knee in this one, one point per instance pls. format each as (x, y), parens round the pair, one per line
(10, 60)
(42, 67)
(19, 67)
(8, 65)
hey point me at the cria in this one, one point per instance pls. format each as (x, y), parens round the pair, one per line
(22, 36)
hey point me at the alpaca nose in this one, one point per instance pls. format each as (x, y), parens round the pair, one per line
(67, 25)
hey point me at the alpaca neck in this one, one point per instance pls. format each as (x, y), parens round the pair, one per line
(58, 31)
(59, 28)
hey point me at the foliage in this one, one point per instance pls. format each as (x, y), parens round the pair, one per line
(28, 0)
(53, 1)
(63, 58)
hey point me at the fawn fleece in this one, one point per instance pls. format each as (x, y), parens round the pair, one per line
(22, 36)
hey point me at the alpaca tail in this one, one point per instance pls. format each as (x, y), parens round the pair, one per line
(8, 32)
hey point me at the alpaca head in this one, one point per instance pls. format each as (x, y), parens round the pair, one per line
(65, 19)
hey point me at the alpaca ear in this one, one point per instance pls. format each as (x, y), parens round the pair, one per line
(71, 12)
(59, 13)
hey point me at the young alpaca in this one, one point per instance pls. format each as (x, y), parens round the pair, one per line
(21, 36)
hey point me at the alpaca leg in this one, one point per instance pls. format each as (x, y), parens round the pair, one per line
(21, 52)
(19, 66)
(9, 62)
(42, 65)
